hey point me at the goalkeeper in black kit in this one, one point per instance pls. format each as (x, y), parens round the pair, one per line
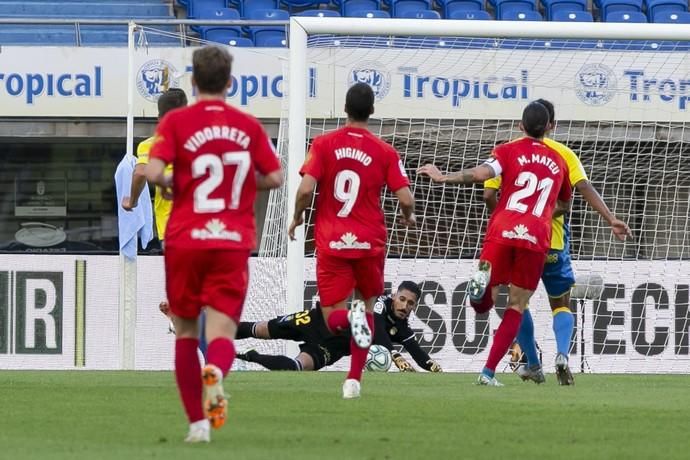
(320, 348)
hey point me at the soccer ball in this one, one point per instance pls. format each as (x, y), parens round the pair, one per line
(378, 359)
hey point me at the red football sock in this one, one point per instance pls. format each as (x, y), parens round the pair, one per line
(505, 336)
(188, 377)
(359, 355)
(221, 353)
(337, 321)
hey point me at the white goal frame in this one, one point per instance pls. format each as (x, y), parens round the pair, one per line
(302, 27)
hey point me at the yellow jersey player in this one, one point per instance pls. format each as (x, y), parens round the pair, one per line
(171, 99)
(558, 276)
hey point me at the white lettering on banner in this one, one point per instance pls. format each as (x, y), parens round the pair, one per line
(666, 89)
(35, 312)
(459, 88)
(31, 85)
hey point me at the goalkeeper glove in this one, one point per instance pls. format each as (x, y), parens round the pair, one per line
(434, 366)
(402, 363)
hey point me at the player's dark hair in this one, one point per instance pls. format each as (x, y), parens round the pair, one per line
(412, 287)
(535, 120)
(549, 106)
(171, 99)
(359, 102)
(211, 67)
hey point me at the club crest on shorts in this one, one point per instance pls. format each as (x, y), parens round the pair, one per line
(595, 84)
(156, 77)
(372, 74)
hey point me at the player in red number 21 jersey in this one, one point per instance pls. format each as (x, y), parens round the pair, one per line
(351, 166)
(519, 233)
(220, 157)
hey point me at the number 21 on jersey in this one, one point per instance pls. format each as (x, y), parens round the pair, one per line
(531, 184)
(214, 166)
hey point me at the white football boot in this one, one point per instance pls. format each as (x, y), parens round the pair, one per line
(199, 432)
(359, 325)
(351, 389)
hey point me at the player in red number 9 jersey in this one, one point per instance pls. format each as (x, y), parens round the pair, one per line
(351, 166)
(519, 233)
(220, 157)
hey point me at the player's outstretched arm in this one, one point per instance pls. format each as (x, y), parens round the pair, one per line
(490, 196)
(155, 173)
(305, 192)
(619, 228)
(270, 180)
(138, 181)
(466, 176)
(420, 356)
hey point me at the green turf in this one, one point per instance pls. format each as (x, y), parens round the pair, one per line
(127, 415)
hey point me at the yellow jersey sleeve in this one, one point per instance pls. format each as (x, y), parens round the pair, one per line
(576, 172)
(143, 150)
(494, 183)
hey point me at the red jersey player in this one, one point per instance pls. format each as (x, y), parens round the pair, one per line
(519, 233)
(351, 166)
(220, 157)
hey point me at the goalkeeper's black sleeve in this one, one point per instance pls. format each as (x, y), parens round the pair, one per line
(381, 335)
(420, 356)
(272, 362)
(244, 330)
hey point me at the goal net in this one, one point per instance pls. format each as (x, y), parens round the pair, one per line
(621, 95)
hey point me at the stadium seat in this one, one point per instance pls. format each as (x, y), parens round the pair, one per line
(610, 6)
(260, 33)
(250, 6)
(400, 7)
(218, 14)
(655, 7)
(37, 35)
(369, 14)
(503, 6)
(670, 17)
(194, 7)
(270, 39)
(93, 9)
(552, 6)
(450, 6)
(226, 38)
(626, 16)
(319, 13)
(303, 3)
(477, 15)
(349, 7)
(420, 14)
(572, 16)
(519, 15)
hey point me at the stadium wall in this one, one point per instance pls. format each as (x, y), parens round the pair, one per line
(61, 312)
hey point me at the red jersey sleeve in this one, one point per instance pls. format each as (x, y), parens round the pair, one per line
(396, 177)
(312, 164)
(163, 146)
(566, 191)
(263, 153)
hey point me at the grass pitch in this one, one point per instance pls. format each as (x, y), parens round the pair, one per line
(281, 415)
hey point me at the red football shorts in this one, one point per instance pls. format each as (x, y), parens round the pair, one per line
(510, 265)
(336, 277)
(196, 278)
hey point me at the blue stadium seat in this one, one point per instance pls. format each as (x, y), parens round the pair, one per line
(552, 6)
(626, 16)
(609, 6)
(450, 6)
(420, 14)
(503, 6)
(37, 35)
(368, 14)
(104, 37)
(349, 7)
(260, 33)
(303, 3)
(250, 6)
(478, 15)
(270, 39)
(655, 7)
(572, 16)
(400, 7)
(84, 10)
(226, 37)
(670, 17)
(520, 15)
(319, 13)
(218, 14)
(194, 7)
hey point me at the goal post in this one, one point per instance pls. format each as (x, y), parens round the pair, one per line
(448, 91)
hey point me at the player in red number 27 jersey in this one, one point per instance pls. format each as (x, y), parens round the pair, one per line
(351, 166)
(519, 233)
(220, 157)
